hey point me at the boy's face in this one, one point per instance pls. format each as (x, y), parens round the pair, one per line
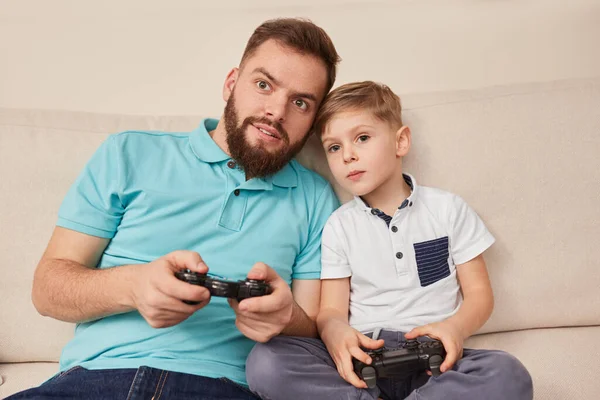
(271, 104)
(363, 152)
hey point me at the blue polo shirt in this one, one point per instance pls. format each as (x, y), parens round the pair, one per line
(155, 192)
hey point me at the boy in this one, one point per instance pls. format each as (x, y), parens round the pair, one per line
(399, 262)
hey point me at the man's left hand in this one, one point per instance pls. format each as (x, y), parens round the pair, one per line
(261, 318)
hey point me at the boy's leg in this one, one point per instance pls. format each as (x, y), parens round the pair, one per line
(480, 374)
(298, 368)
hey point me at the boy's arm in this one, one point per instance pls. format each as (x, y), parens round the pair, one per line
(476, 308)
(335, 299)
(343, 342)
(478, 298)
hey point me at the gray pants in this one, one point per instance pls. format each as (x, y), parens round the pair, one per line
(300, 368)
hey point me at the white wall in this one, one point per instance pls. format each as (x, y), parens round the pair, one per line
(170, 57)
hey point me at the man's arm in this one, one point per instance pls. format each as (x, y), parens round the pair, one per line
(307, 295)
(68, 286)
(281, 312)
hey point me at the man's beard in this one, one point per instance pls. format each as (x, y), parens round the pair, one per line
(256, 161)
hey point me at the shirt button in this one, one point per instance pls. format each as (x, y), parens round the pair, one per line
(373, 211)
(394, 229)
(399, 255)
(231, 164)
(236, 192)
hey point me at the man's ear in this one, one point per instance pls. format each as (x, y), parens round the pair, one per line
(230, 82)
(403, 140)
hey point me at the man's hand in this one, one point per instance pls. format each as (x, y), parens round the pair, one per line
(158, 295)
(261, 318)
(450, 337)
(343, 343)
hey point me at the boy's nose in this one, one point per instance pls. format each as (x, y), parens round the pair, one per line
(349, 155)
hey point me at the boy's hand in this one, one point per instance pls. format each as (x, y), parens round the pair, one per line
(344, 342)
(450, 337)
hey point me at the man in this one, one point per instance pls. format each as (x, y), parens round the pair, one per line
(228, 197)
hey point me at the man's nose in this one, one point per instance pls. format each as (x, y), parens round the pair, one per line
(276, 108)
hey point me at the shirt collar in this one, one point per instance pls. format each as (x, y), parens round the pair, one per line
(203, 146)
(205, 149)
(408, 202)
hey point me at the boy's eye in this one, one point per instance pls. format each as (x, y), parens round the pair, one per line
(363, 138)
(263, 85)
(301, 104)
(333, 149)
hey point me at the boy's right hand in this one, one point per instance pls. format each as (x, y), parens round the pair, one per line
(344, 342)
(157, 294)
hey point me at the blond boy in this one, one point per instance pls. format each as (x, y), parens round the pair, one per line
(400, 261)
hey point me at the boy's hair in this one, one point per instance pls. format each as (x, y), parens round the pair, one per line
(360, 96)
(298, 34)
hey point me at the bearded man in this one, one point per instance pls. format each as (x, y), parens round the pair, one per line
(226, 199)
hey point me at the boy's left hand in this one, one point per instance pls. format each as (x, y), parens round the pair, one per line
(448, 334)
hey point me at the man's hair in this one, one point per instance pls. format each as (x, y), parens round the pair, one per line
(298, 34)
(368, 96)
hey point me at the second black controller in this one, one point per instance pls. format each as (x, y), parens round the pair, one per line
(411, 357)
(238, 290)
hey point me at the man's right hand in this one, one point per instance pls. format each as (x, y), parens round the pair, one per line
(158, 295)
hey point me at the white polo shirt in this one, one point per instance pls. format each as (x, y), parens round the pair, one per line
(402, 275)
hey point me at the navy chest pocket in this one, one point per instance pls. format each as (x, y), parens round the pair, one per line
(432, 260)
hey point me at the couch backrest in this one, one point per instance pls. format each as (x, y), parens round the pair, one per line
(524, 157)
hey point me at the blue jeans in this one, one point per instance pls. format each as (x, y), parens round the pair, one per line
(133, 384)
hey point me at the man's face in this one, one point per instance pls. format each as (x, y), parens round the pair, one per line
(271, 105)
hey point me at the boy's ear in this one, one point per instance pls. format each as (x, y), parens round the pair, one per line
(403, 140)
(230, 82)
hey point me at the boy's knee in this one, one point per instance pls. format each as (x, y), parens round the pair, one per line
(513, 374)
(259, 361)
(265, 365)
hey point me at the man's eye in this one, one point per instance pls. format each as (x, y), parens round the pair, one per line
(301, 104)
(333, 149)
(263, 85)
(363, 138)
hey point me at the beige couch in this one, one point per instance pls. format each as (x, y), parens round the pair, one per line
(525, 157)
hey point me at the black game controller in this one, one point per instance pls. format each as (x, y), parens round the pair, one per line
(239, 290)
(411, 357)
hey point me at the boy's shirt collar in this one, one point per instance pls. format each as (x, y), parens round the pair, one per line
(408, 202)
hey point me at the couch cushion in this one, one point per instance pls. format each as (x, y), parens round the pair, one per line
(561, 361)
(21, 376)
(564, 362)
(524, 157)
